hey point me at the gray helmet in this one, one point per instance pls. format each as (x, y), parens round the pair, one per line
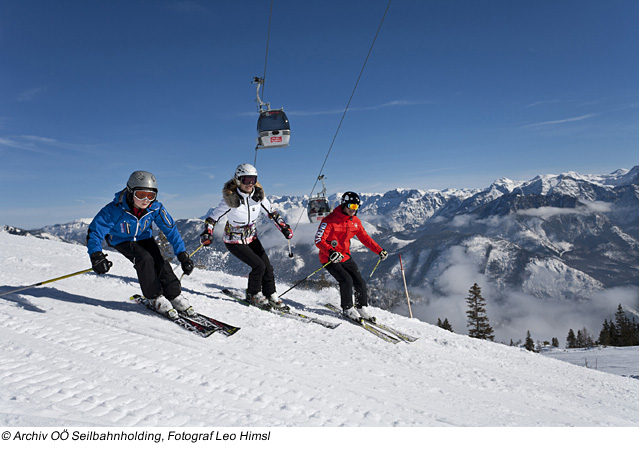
(245, 169)
(142, 180)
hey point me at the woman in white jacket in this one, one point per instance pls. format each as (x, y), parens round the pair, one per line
(243, 200)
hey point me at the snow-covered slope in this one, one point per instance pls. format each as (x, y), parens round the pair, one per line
(77, 352)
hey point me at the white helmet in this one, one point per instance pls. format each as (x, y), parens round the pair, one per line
(244, 170)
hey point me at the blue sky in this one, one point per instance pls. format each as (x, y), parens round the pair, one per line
(455, 94)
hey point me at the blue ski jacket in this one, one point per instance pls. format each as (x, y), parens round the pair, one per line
(116, 223)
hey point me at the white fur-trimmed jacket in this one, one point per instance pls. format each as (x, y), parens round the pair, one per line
(241, 211)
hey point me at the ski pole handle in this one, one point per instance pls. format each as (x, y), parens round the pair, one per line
(47, 281)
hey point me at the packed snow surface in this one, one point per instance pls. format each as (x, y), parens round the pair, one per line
(78, 352)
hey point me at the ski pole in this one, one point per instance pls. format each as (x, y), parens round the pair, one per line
(194, 252)
(45, 282)
(405, 286)
(305, 279)
(376, 266)
(290, 252)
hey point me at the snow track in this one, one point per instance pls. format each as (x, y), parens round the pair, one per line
(78, 352)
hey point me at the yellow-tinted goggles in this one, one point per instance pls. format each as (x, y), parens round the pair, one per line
(353, 206)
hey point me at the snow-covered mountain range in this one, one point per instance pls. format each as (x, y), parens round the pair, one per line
(552, 253)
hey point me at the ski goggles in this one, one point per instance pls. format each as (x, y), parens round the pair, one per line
(248, 179)
(353, 206)
(145, 195)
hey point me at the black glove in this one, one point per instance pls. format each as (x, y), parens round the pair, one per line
(383, 255)
(100, 263)
(206, 237)
(186, 262)
(335, 257)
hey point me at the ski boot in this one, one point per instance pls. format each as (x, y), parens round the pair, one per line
(164, 306)
(258, 301)
(352, 314)
(181, 304)
(276, 303)
(365, 313)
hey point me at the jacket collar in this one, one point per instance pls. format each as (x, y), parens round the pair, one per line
(233, 197)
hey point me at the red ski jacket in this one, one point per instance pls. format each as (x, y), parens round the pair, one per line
(335, 233)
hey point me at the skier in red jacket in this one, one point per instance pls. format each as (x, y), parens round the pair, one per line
(334, 240)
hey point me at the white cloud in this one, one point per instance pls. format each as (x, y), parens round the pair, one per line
(556, 122)
(549, 211)
(30, 94)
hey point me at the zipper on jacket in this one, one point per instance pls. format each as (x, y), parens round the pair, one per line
(135, 235)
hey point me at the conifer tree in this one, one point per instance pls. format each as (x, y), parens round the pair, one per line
(555, 343)
(622, 326)
(605, 337)
(626, 330)
(571, 339)
(528, 342)
(477, 320)
(580, 342)
(445, 325)
(587, 340)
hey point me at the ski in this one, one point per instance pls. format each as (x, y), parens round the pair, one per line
(404, 336)
(399, 334)
(201, 325)
(365, 324)
(287, 313)
(225, 328)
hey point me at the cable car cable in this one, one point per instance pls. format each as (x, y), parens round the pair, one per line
(266, 55)
(264, 75)
(347, 107)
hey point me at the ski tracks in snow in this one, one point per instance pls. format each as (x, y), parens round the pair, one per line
(81, 353)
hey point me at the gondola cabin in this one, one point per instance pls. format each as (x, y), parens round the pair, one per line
(273, 129)
(318, 209)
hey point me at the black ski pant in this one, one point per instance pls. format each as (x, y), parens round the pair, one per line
(155, 274)
(349, 278)
(261, 277)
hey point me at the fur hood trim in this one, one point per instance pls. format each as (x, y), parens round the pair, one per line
(233, 199)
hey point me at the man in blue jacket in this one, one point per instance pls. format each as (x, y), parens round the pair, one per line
(126, 224)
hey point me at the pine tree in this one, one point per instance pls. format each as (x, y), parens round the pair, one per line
(528, 342)
(580, 342)
(621, 326)
(626, 330)
(477, 320)
(587, 340)
(445, 325)
(633, 336)
(555, 343)
(571, 339)
(605, 334)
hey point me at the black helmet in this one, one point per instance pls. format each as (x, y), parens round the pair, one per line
(349, 198)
